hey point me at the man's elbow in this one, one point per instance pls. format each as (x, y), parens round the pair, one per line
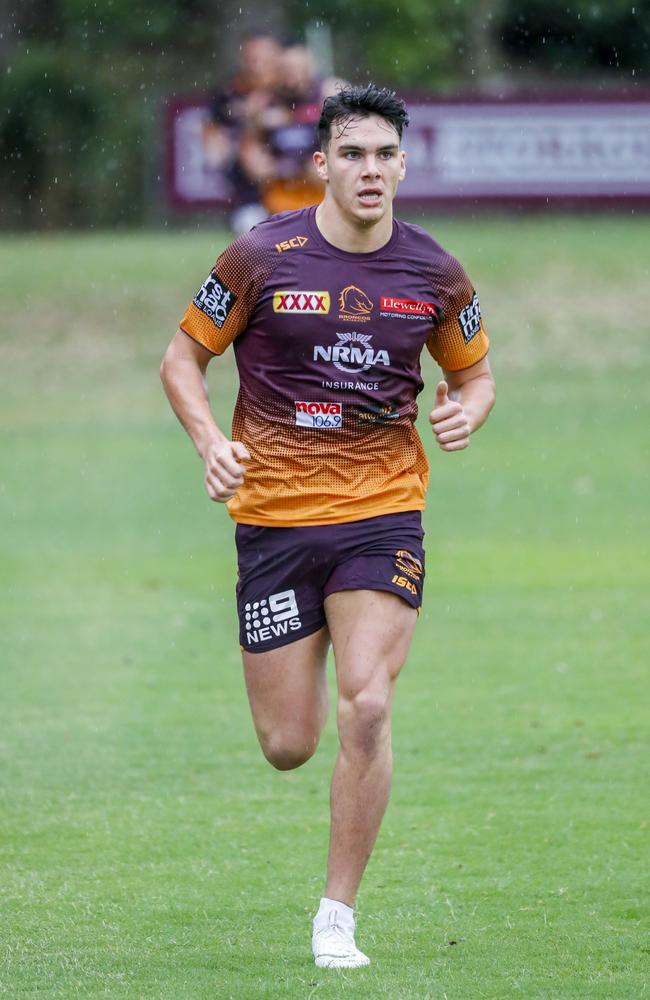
(163, 368)
(491, 390)
(166, 365)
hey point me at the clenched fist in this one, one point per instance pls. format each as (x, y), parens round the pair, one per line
(224, 471)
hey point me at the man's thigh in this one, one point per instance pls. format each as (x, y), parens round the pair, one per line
(295, 582)
(287, 689)
(371, 631)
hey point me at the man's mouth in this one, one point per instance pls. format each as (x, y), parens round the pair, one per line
(370, 196)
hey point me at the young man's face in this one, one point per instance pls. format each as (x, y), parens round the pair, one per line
(362, 166)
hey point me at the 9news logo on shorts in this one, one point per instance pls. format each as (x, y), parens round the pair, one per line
(271, 617)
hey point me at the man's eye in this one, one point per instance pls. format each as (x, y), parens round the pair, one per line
(351, 154)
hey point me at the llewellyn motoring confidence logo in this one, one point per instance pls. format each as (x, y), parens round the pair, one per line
(301, 302)
(407, 308)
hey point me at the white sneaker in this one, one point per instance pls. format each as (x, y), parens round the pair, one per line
(333, 942)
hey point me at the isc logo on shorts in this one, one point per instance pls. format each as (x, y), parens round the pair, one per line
(301, 302)
(325, 416)
(271, 617)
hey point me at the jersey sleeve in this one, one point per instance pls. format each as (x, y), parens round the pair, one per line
(459, 340)
(222, 307)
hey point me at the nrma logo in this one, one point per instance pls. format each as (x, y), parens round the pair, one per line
(352, 353)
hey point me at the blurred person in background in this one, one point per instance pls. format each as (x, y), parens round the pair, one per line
(290, 132)
(234, 122)
(262, 130)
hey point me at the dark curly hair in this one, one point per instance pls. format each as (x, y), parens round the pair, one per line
(361, 101)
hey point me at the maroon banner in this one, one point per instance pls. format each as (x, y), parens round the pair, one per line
(580, 149)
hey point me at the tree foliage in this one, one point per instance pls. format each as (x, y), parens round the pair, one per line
(611, 37)
(403, 44)
(80, 95)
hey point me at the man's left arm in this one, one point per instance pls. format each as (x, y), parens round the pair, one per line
(463, 402)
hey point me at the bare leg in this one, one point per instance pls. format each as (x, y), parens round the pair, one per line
(287, 691)
(371, 632)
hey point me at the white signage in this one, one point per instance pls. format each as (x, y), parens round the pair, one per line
(472, 150)
(469, 150)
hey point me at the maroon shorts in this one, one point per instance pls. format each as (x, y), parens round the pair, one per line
(285, 574)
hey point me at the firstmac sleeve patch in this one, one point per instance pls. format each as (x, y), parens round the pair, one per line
(459, 340)
(221, 309)
(470, 319)
(215, 299)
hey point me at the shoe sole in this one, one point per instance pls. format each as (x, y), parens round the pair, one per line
(331, 962)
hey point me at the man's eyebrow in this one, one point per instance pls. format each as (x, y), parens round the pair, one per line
(354, 147)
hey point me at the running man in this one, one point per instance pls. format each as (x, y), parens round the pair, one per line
(328, 309)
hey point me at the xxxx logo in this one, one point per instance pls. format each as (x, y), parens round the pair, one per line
(301, 302)
(354, 304)
(295, 243)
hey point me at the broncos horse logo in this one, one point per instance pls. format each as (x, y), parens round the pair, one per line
(354, 302)
(408, 564)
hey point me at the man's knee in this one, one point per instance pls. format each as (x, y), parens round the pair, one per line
(287, 753)
(364, 721)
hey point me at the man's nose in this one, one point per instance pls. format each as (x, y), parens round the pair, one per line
(371, 166)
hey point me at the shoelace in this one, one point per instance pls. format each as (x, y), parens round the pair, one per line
(341, 935)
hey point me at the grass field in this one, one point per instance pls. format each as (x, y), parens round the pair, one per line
(146, 850)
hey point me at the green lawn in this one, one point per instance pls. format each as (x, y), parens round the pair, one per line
(146, 849)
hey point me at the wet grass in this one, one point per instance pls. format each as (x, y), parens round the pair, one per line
(146, 851)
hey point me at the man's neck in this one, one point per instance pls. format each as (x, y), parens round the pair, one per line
(351, 237)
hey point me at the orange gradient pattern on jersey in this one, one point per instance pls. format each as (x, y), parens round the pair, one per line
(298, 476)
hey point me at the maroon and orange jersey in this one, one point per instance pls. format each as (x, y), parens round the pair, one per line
(328, 347)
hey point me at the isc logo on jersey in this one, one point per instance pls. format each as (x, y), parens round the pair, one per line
(324, 416)
(271, 617)
(295, 243)
(301, 302)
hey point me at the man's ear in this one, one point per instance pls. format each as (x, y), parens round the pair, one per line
(320, 163)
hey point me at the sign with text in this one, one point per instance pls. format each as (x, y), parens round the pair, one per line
(480, 151)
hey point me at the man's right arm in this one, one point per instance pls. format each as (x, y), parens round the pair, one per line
(183, 375)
